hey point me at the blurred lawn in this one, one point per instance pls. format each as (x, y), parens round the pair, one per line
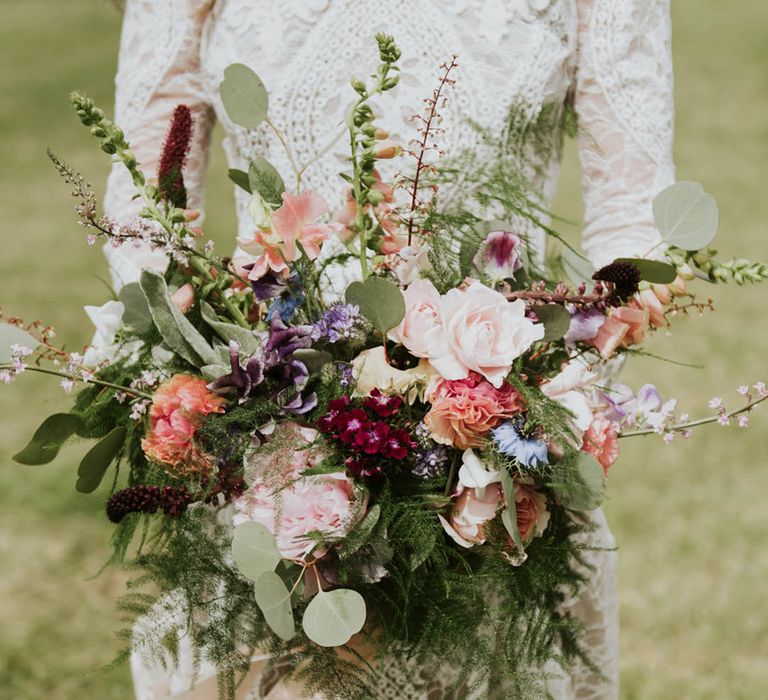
(689, 518)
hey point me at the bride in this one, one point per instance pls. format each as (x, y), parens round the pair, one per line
(519, 60)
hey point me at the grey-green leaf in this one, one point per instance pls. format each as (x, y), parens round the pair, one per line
(240, 178)
(686, 216)
(244, 96)
(254, 550)
(48, 439)
(178, 333)
(13, 335)
(333, 617)
(314, 360)
(380, 301)
(249, 343)
(363, 531)
(653, 271)
(274, 601)
(136, 314)
(264, 179)
(96, 461)
(556, 320)
(509, 514)
(581, 484)
(578, 268)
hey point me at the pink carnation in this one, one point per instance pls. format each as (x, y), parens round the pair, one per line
(293, 507)
(601, 441)
(463, 411)
(177, 407)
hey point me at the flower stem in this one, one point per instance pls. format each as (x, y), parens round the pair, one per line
(695, 423)
(99, 382)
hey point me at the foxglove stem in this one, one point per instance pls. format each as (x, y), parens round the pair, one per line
(694, 423)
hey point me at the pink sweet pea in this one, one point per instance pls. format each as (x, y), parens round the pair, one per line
(294, 222)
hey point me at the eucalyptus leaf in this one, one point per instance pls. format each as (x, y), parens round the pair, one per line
(509, 514)
(244, 96)
(556, 320)
(240, 178)
(249, 343)
(136, 314)
(652, 270)
(178, 333)
(274, 601)
(577, 267)
(48, 439)
(97, 460)
(254, 550)
(264, 179)
(13, 335)
(380, 301)
(333, 617)
(314, 360)
(581, 484)
(686, 216)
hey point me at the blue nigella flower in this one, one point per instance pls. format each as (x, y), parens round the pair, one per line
(527, 451)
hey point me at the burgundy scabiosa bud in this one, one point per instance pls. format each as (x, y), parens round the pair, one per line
(170, 178)
(624, 276)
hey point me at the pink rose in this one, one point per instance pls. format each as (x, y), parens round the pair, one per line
(421, 330)
(463, 411)
(184, 298)
(532, 513)
(470, 513)
(485, 333)
(177, 407)
(293, 507)
(601, 441)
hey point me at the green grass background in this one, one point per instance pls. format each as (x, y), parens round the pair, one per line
(690, 519)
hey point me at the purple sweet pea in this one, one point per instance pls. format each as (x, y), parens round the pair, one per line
(240, 379)
(585, 324)
(500, 256)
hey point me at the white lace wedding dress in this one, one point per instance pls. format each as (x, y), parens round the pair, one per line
(610, 57)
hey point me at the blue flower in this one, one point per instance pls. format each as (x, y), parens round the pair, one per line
(340, 322)
(527, 451)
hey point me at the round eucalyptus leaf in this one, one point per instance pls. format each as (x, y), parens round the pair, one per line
(380, 301)
(274, 601)
(333, 617)
(580, 485)
(686, 216)
(13, 335)
(556, 320)
(254, 550)
(652, 270)
(244, 96)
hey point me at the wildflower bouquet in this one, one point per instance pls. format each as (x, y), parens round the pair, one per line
(369, 480)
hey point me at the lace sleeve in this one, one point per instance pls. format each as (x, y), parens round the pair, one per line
(158, 69)
(624, 105)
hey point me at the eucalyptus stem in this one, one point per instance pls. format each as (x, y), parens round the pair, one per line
(280, 137)
(74, 377)
(236, 314)
(695, 423)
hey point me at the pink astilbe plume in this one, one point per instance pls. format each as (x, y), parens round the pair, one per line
(170, 177)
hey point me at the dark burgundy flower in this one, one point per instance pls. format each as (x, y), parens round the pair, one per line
(170, 180)
(372, 438)
(328, 423)
(362, 468)
(350, 423)
(398, 445)
(382, 404)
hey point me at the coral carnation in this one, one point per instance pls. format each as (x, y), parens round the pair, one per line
(463, 411)
(601, 441)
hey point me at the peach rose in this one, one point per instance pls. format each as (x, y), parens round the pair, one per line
(421, 330)
(531, 508)
(463, 411)
(601, 441)
(293, 507)
(177, 407)
(484, 332)
(470, 513)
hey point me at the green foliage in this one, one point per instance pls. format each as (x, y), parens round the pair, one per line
(137, 314)
(652, 271)
(12, 335)
(254, 550)
(686, 216)
(333, 617)
(244, 96)
(45, 444)
(556, 320)
(380, 301)
(274, 601)
(240, 178)
(579, 483)
(264, 179)
(97, 460)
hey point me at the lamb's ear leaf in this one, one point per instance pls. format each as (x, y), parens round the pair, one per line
(580, 485)
(48, 439)
(249, 343)
(244, 96)
(136, 314)
(97, 460)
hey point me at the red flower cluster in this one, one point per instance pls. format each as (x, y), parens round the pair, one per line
(363, 431)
